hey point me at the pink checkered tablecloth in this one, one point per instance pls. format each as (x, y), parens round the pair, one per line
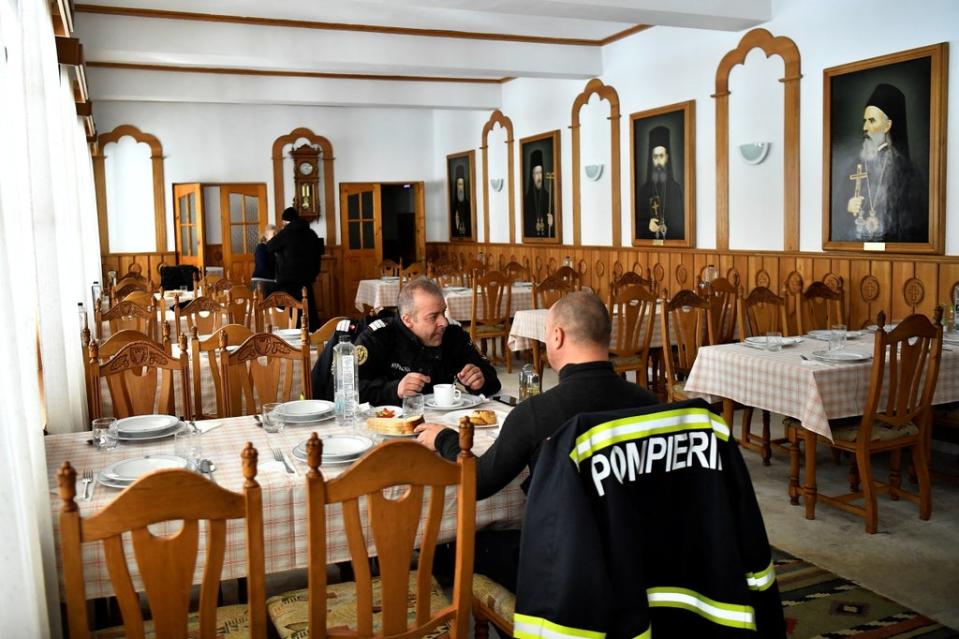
(377, 293)
(459, 302)
(811, 391)
(530, 325)
(284, 497)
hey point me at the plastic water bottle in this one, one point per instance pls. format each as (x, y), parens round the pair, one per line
(345, 376)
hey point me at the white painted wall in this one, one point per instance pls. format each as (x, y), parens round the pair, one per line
(216, 143)
(665, 65)
(129, 180)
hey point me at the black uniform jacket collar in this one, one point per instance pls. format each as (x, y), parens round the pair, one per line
(584, 369)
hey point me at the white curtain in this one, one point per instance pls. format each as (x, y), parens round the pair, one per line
(49, 256)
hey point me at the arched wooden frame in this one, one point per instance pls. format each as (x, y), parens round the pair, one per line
(608, 93)
(497, 117)
(100, 182)
(326, 153)
(789, 52)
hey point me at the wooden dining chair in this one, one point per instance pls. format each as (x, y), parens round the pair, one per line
(218, 288)
(473, 269)
(399, 602)
(239, 305)
(140, 380)
(389, 268)
(261, 370)
(280, 310)
(126, 286)
(125, 316)
(142, 298)
(569, 275)
(820, 307)
(322, 335)
(723, 298)
(633, 316)
(629, 278)
(761, 312)
(235, 334)
(411, 272)
(685, 327)
(490, 314)
(205, 314)
(897, 416)
(166, 564)
(516, 272)
(545, 294)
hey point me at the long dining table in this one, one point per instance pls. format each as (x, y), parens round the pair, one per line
(809, 390)
(530, 325)
(284, 495)
(382, 293)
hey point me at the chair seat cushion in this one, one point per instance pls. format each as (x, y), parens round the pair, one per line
(495, 597)
(232, 622)
(289, 611)
(847, 430)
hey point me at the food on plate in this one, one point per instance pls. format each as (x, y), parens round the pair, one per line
(386, 412)
(483, 417)
(394, 425)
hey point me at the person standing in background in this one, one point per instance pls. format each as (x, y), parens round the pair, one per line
(264, 269)
(297, 251)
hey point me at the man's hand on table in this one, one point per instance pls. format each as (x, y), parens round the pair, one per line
(471, 377)
(411, 384)
(426, 434)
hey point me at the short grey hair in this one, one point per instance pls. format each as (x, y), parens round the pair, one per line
(405, 300)
(584, 318)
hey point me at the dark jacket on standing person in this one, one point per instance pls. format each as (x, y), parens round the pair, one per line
(583, 388)
(263, 263)
(297, 251)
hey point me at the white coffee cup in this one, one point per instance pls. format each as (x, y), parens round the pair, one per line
(446, 395)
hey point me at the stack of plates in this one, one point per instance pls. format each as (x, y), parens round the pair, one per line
(338, 449)
(465, 401)
(147, 427)
(825, 334)
(123, 473)
(760, 341)
(305, 411)
(841, 356)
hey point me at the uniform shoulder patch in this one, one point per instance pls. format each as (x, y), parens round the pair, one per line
(343, 325)
(376, 325)
(361, 354)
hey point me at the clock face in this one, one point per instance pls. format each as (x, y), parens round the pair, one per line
(305, 168)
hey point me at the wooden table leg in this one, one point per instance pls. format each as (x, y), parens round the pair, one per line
(728, 409)
(793, 435)
(809, 486)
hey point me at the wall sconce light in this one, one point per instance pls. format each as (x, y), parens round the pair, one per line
(594, 171)
(497, 184)
(754, 152)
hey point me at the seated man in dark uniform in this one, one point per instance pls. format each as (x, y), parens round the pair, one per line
(577, 345)
(418, 349)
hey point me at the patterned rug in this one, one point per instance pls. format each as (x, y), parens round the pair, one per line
(817, 603)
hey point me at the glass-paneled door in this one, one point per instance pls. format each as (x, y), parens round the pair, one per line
(188, 224)
(361, 227)
(243, 219)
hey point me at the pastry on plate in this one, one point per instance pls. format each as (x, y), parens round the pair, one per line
(483, 417)
(394, 425)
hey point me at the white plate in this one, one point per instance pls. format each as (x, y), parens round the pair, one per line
(144, 424)
(841, 356)
(453, 419)
(304, 410)
(287, 333)
(126, 471)
(466, 400)
(825, 334)
(149, 437)
(390, 278)
(760, 340)
(338, 449)
(397, 410)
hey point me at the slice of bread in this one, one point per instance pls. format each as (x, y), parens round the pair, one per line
(394, 425)
(483, 417)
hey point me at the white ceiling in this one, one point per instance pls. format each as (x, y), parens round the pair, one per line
(143, 33)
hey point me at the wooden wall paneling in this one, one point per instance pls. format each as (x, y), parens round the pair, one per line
(947, 280)
(608, 93)
(860, 309)
(882, 271)
(841, 268)
(928, 274)
(901, 273)
(789, 52)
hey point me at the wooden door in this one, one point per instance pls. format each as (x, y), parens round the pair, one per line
(243, 219)
(188, 224)
(361, 228)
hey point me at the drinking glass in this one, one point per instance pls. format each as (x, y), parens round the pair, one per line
(105, 434)
(837, 337)
(413, 405)
(272, 419)
(774, 341)
(186, 444)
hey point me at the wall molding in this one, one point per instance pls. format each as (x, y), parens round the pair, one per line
(497, 118)
(786, 49)
(99, 178)
(608, 93)
(279, 186)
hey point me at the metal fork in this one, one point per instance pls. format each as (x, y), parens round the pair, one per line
(87, 480)
(278, 456)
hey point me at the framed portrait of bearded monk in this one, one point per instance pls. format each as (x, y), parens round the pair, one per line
(539, 168)
(461, 191)
(663, 154)
(884, 124)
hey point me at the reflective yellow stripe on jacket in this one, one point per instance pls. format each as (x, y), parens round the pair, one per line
(761, 580)
(529, 627)
(724, 614)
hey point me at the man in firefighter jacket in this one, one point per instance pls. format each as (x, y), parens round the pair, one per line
(643, 522)
(418, 349)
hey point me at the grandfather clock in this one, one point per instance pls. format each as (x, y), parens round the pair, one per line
(306, 180)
